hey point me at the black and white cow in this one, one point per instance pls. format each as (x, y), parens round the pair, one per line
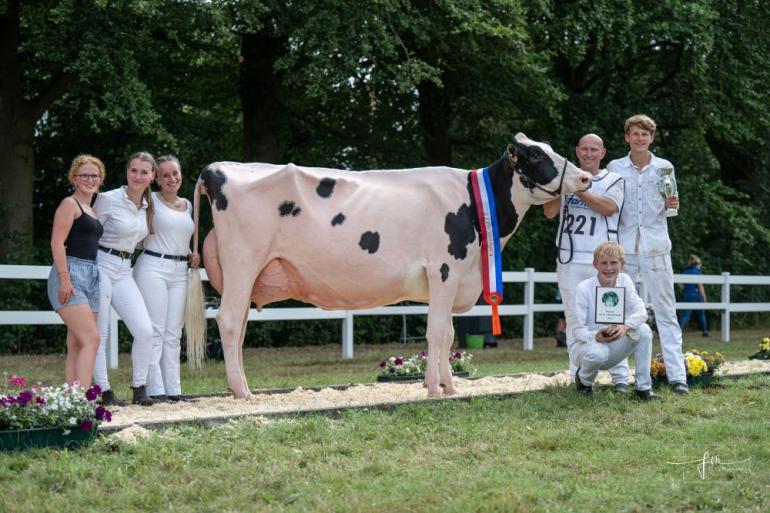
(354, 240)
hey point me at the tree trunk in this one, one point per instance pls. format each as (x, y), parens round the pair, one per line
(434, 120)
(736, 166)
(16, 193)
(260, 86)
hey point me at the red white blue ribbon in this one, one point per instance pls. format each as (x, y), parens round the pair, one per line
(491, 264)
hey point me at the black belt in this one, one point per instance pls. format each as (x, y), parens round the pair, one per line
(122, 254)
(167, 257)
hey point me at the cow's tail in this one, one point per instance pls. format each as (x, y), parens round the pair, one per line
(195, 308)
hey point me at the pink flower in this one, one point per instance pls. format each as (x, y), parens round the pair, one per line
(17, 381)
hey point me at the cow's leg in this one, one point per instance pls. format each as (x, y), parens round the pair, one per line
(440, 335)
(445, 374)
(231, 319)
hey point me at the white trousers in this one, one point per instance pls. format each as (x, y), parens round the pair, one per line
(569, 276)
(595, 356)
(163, 284)
(658, 276)
(117, 288)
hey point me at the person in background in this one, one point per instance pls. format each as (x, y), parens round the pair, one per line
(126, 214)
(643, 232)
(73, 285)
(602, 346)
(161, 274)
(560, 331)
(586, 219)
(694, 293)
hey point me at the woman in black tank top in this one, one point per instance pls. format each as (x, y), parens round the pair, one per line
(73, 285)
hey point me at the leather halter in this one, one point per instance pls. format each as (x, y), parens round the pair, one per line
(527, 181)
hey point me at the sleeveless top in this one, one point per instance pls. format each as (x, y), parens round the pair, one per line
(83, 238)
(581, 228)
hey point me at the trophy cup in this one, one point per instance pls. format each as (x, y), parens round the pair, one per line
(667, 187)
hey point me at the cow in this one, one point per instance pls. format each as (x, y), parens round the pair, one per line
(361, 239)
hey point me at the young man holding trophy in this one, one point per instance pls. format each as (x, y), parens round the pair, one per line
(609, 323)
(650, 198)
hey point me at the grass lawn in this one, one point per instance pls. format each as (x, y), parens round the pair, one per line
(539, 451)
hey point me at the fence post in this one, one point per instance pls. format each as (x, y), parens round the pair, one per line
(726, 311)
(529, 317)
(347, 336)
(112, 343)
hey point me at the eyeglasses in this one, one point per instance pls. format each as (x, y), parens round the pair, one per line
(86, 178)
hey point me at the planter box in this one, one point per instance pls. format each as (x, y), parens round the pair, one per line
(760, 356)
(386, 378)
(703, 380)
(44, 437)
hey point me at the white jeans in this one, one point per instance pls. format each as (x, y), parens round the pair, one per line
(117, 288)
(595, 356)
(658, 276)
(163, 283)
(569, 276)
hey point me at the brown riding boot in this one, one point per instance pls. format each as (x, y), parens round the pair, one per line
(140, 396)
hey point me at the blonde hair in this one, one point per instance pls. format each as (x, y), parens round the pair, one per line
(609, 249)
(147, 195)
(694, 261)
(643, 121)
(80, 161)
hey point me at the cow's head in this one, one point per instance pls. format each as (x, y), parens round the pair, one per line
(544, 172)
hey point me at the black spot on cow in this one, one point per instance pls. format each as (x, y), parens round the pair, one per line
(461, 226)
(213, 181)
(370, 241)
(338, 219)
(444, 272)
(296, 211)
(286, 208)
(326, 187)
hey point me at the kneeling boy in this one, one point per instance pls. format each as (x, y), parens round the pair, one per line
(602, 346)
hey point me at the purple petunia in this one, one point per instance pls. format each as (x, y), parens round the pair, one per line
(93, 393)
(399, 361)
(103, 413)
(24, 398)
(86, 425)
(383, 364)
(40, 400)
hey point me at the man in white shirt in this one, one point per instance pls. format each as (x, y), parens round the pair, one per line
(586, 219)
(643, 232)
(601, 346)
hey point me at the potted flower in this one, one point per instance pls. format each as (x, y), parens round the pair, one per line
(53, 416)
(701, 367)
(764, 350)
(399, 368)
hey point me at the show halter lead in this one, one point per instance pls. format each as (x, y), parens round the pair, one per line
(491, 266)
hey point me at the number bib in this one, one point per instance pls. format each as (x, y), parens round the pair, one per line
(581, 228)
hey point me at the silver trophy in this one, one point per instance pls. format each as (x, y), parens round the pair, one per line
(667, 187)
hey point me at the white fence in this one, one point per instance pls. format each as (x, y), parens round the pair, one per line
(527, 308)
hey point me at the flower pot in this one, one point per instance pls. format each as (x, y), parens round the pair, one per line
(762, 355)
(389, 378)
(703, 379)
(474, 341)
(44, 437)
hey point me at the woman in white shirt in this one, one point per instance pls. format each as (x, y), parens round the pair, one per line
(161, 273)
(127, 216)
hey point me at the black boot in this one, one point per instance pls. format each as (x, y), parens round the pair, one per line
(140, 396)
(110, 399)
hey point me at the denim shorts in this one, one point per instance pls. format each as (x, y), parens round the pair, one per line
(84, 275)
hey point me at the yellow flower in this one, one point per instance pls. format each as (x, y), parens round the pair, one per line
(765, 345)
(695, 365)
